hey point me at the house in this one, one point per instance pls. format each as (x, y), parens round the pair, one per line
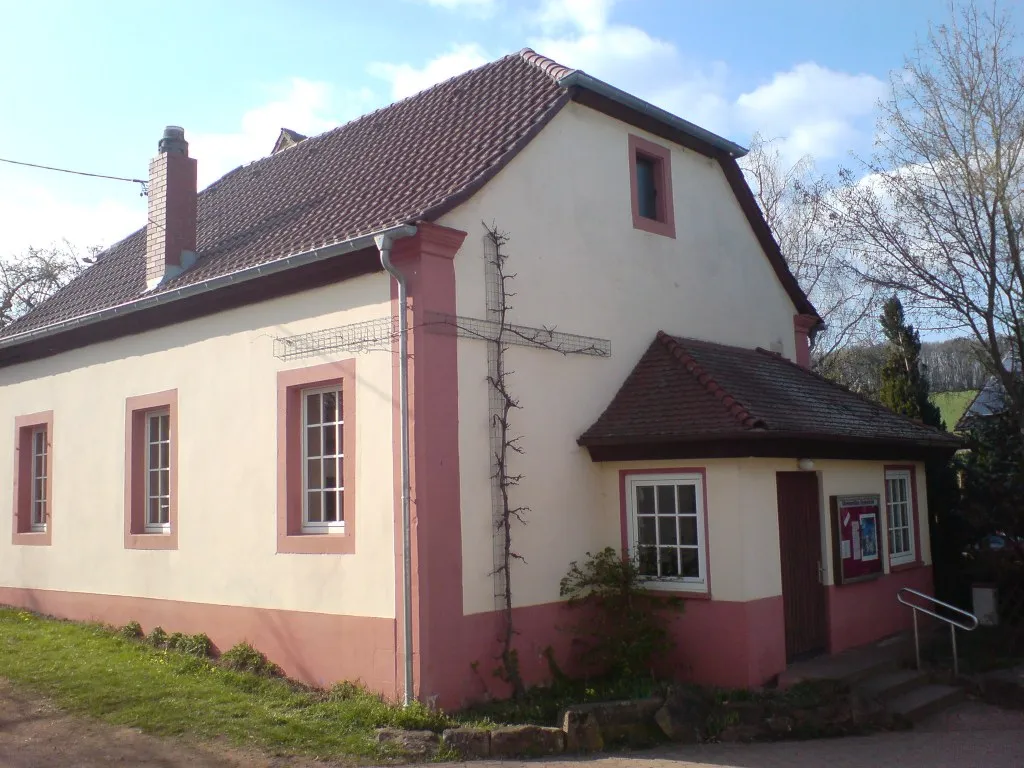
(208, 423)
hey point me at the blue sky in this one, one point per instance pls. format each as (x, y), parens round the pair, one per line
(90, 85)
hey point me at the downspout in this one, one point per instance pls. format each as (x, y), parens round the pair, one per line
(384, 246)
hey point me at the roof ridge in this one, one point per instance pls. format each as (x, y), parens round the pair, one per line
(858, 395)
(745, 418)
(549, 67)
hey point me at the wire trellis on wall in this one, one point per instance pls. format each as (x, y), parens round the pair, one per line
(366, 336)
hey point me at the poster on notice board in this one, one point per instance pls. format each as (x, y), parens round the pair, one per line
(856, 542)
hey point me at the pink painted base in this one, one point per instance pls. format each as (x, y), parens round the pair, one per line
(863, 613)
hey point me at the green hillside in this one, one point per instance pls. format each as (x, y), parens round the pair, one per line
(953, 404)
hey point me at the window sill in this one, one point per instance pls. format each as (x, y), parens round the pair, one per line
(655, 227)
(904, 565)
(316, 544)
(32, 538)
(679, 589)
(167, 540)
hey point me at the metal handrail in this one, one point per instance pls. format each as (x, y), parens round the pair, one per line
(967, 626)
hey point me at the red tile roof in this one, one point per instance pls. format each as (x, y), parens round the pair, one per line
(684, 390)
(411, 161)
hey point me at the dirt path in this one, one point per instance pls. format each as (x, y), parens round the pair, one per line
(35, 734)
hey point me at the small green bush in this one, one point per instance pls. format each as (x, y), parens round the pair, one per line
(244, 658)
(157, 638)
(131, 630)
(194, 645)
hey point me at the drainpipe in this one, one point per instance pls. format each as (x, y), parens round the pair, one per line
(384, 246)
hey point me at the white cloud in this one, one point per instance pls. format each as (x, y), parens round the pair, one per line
(478, 8)
(406, 79)
(306, 106)
(815, 110)
(586, 16)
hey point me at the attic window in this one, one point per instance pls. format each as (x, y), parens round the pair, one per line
(650, 181)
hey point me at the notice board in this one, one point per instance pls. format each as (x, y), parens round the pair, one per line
(856, 538)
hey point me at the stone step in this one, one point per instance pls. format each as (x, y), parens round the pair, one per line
(918, 703)
(853, 665)
(890, 684)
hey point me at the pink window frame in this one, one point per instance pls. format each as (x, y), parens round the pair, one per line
(22, 532)
(665, 224)
(918, 560)
(136, 409)
(624, 522)
(291, 539)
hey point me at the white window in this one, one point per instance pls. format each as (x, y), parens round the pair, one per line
(158, 471)
(900, 514)
(666, 529)
(39, 473)
(323, 461)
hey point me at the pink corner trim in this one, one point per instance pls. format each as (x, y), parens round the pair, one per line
(21, 528)
(624, 521)
(665, 224)
(290, 538)
(742, 415)
(135, 468)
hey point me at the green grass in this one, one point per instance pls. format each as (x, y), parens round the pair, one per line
(953, 404)
(92, 670)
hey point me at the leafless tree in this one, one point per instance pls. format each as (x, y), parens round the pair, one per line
(938, 216)
(29, 278)
(798, 205)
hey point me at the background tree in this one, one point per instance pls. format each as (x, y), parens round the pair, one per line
(29, 278)
(938, 217)
(903, 388)
(795, 200)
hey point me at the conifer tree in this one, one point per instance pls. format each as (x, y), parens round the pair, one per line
(903, 387)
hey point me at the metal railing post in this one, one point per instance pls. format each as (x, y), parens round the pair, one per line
(917, 642)
(956, 663)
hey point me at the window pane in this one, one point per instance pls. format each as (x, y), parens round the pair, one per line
(330, 440)
(313, 441)
(40, 440)
(666, 499)
(165, 482)
(165, 427)
(687, 498)
(154, 511)
(154, 483)
(40, 466)
(154, 455)
(313, 474)
(39, 490)
(645, 530)
(330, 407)
(330, 473)
(645, 500)
(906, 539)
(313, 507)
(312, 409)
(667, 530)
(648, 561)
(165, 455)
(341, 505)
(647, 199)
(668, 560)
(688, 530)
(330, 507)
(165, 511)
(691, 565)
(39, 512)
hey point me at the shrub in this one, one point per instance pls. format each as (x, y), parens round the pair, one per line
(194, 645)
(157, 638)
(131, 630)
(244, 658)
(626, 626)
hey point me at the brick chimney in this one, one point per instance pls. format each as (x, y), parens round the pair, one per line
(171, 228)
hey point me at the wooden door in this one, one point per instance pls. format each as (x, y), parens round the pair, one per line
(803, 595)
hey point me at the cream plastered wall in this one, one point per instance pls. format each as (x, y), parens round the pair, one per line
(225, 372)
(582, 268)
(742, 515)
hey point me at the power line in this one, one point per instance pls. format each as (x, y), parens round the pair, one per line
(141, 182)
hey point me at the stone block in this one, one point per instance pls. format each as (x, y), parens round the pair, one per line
(470, 743)
(527, 741)
(421, 744)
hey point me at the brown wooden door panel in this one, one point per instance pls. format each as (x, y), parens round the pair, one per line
(803, 595)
